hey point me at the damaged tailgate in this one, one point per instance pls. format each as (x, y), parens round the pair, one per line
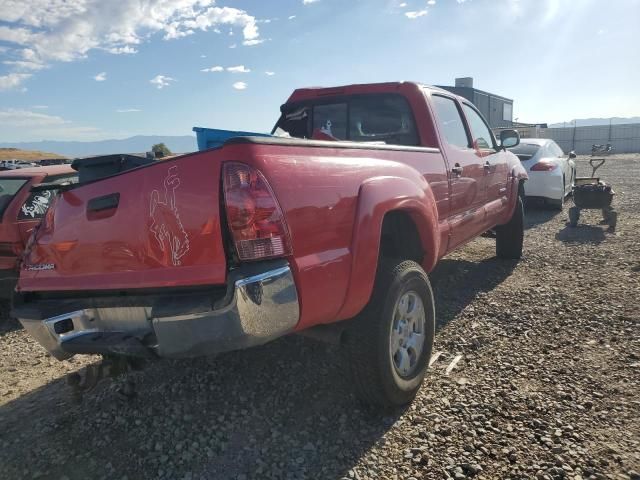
(154, 226)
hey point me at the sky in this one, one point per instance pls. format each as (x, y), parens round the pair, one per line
(98, 69)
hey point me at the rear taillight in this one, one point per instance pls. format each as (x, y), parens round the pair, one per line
(255, 219)
(544, 166)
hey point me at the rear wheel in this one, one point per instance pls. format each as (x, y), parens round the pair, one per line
(510, 236)
(389, 344)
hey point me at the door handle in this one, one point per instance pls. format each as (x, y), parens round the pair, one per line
(487, 165)
(99, 208)
(457, 169)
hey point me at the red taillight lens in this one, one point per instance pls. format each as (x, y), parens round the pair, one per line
(254, 216)
(544, 166)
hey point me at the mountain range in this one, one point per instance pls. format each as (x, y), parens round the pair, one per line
(137, 144)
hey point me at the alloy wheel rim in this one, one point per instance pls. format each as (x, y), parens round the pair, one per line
(407, 334)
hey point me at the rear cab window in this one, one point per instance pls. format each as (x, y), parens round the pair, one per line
(8, 189)
(374, 118)
(38, 202)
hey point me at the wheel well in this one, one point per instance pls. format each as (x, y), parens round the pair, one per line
(400, 238)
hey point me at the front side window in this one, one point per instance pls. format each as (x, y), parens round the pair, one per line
(385, 119)
(480, 132)
(450, 121)
(38, 202)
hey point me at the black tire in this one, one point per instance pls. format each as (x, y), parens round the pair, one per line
(367, 341)
(510, 236)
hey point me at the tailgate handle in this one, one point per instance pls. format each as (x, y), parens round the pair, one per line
(106, 202)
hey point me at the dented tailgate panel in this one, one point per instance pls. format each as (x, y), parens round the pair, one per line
(154, 226)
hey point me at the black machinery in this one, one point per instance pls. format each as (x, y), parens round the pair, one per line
(593, 194)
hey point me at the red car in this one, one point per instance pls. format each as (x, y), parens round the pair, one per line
(329, 227)
(20, 211)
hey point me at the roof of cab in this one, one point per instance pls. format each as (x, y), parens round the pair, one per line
(36, 171)
(308, 93)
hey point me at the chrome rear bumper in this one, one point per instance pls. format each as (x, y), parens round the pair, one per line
(262, 307)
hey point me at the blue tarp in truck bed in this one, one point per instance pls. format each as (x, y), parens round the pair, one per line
(211, 137)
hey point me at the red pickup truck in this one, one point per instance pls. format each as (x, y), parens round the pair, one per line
(328, 225)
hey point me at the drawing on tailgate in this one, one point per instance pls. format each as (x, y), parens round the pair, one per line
(166, 225)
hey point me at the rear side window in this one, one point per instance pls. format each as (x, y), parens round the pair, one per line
(364, 118)
(450, 121)
(8, 188)
(38, 202)
(480, 132)
(380, 118)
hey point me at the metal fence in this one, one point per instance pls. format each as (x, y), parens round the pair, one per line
(625, 138)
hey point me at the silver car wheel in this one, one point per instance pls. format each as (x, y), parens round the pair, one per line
(407, 334)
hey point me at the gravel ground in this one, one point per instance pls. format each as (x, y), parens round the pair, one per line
(547, 386)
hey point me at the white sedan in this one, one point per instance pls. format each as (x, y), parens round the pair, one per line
(551, 171)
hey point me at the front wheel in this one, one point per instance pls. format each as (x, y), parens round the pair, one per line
(510, 236)
(389, 344)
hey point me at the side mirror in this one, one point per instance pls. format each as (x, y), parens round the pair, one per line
(572, 154)
(509, 138)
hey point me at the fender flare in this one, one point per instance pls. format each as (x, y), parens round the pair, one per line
(517, 175)
(377, 197)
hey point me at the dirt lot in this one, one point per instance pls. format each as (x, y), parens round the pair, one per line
(547, 386)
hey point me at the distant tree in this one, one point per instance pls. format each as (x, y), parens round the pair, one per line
(160, 150)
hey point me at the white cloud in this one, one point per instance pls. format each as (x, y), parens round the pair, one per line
(24, 65)
(101, 77)
(24, 125)
(128, 110)
(11, 117)
(431, 2)
(47, 31)
(238, 69)
(417, 14)
(309, 2)
(240, 86)
(403, 5)
(233, 45)
(203, 56)
(21, 36)
(251, 43)
(270, 74)
(13, 80)
(217, 68)
(161, 81)
(126, 50)
(291, 17)
(40, 107)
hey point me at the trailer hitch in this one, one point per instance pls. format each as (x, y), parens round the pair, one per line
(111, 366)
